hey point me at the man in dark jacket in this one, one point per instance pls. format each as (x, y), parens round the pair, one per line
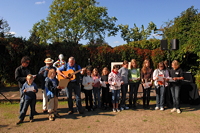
(20, 75)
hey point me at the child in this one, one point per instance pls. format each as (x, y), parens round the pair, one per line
(87, 83)
(134, 81)
(160, 76)
(176, 73)
(52, 90)
(147, 80)
(29, 89)
(105, 88)
(96, 88)
(124, 88)
(115, 81)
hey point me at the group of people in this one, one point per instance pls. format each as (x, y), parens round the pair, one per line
(102, 90)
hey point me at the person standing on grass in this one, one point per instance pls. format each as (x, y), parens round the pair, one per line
(52, 90)
(105, 88)
(28, 89)
(43, 72)
(115, 81)
(87, 86)
(74, 85)
(96, 88)
(134, 81)
(20, 75)
(160, 76)
(176, 74)
(147, 81)
(123, 71)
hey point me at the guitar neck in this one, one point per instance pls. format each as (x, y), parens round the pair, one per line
(77, 72)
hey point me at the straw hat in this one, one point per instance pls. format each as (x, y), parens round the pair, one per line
(48, 60)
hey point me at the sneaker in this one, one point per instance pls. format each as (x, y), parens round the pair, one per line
(122, 108)
(178, 111)
(19, 122)
(162, 109)
(118, 110)
(126, 108)
(156, 108)
(173, 110)
(51, 118)
(114, 110)
(31, 120)
(57, 115)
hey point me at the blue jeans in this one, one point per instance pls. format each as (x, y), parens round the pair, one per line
(115, 96)
(77, 90)
(175, 90)
(124, 89)
(30, 102)
(160, 91)
(21, 103)
(133, 91)
(97, 96)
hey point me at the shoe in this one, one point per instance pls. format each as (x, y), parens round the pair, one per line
(118, 110)
(178, 111)
(114, 110)
(51, 118)
(162, 109)
(19, 122)
(36, 113)
(31, 120)
(173, 110)
(81, 112)
(156, 108)
(122, 108)
(57, 115)
(70, 112)
(45, 111)
(126, 108)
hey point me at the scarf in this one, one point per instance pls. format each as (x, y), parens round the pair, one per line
(115, 72)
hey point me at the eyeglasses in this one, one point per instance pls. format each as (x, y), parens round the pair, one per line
(27, 62)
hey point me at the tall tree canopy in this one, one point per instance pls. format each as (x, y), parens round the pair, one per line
(73, 20)
(135, 33)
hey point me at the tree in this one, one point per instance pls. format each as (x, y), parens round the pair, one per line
(186, 28)
(73, 20)
(135, 33)
(40, 32)
(4, 28)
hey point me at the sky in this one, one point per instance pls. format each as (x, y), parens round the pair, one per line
(21, 15)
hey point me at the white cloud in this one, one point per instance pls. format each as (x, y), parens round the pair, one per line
(116, 42)
(40, 2)
(11, 33)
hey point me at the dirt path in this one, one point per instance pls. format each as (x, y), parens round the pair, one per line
(98, 121)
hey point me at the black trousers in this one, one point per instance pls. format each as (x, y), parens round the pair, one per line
(146, 96)
(88, 98)
(105, 96)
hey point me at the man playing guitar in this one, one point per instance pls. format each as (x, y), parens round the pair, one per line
(73, 84)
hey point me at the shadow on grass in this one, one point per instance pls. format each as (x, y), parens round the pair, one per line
(76, 115)
(188, 107)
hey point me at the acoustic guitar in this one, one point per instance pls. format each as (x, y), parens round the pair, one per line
(70, 74)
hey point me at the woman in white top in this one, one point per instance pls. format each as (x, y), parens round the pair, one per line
(160, 76)
(88, 86)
